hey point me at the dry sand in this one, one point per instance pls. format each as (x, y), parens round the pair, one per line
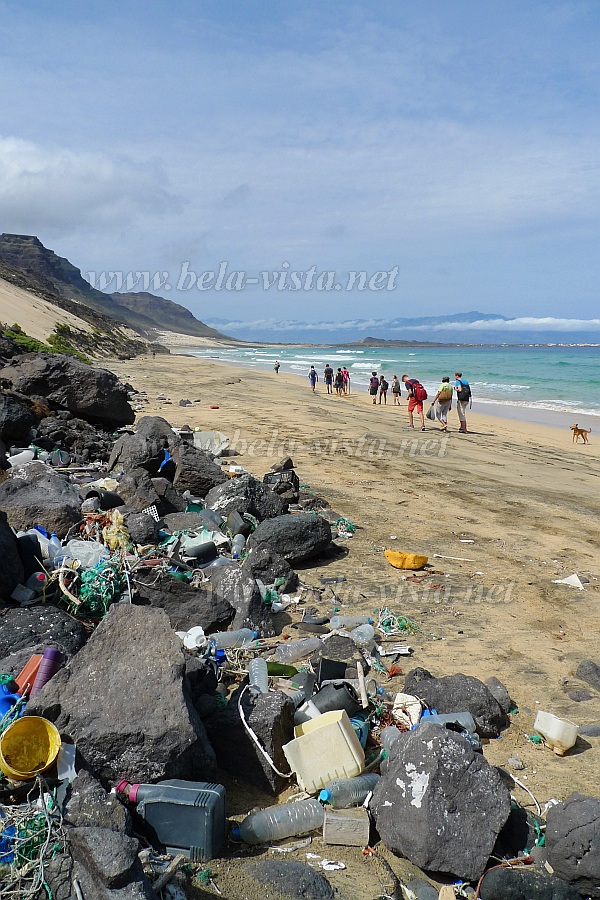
(36, 316)
(517, 502)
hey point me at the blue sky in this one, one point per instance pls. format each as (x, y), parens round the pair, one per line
(456, 139)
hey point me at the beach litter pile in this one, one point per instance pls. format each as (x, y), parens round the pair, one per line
(157, 640)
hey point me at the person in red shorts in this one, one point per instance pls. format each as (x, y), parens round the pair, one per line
(412, 386)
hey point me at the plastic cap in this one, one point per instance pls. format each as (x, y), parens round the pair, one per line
(236, 834)
(324, 796)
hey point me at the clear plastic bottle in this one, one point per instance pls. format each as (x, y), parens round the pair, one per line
(54, 547)
(258, 676)
(223, 640)
(349, 621)
(237, 546)
(363, 636)
(341, 793)
(388, 737)
(293, 650)
(277, 822)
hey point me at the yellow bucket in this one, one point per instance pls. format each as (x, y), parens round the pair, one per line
(28, 746)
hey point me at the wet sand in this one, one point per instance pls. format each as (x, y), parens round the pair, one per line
(515, 504)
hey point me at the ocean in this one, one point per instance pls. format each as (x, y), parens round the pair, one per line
(558, 379)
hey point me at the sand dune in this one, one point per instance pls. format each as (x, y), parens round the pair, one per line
(37, 317)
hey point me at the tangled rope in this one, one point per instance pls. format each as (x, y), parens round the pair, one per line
(389, 623)
(32, 836)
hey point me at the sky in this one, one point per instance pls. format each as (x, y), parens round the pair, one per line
(455, 140)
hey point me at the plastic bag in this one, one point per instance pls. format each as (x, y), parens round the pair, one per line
(88, 553)
(430, 414)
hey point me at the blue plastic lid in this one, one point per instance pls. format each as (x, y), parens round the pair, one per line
(235, 833)
(324, 796)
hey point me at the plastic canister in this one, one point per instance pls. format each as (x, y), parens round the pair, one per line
(7, 700)
(337, 695)
(323, 749)
(559, 734)
(49, 666)
(37, 582)
(19, 459)
(107, 499)
(202, 552)
(185, 817)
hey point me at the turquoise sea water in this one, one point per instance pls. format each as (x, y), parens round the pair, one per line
(565, 379)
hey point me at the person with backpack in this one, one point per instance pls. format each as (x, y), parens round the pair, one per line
(373, 386)
(396, 390)
(339, 382)
(312, 378)
(463, 397)
(443, 398)
(383, 389)
(416, 396)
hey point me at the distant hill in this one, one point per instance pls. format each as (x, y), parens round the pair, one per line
(167, 315)
(145, 315)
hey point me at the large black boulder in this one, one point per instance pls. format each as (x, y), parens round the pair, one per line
(268, 566)
(184, 604)
(145, 449)
(195, 471)
(271, 717)
(11, 570)
(124, 701)
(295, 537)
(520, 883)
(65, 382)
(440, 804)
(287, 879)
(240, 591)
(573, 842)
(24, 632)
(458, 693)
(245, 495)
(37, 495)
(16, 418)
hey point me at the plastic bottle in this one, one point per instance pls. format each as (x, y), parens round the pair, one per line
(54, 547)
(221, 562)
(341, 793)
(293, 650)
(363, 636)
(50, 664)
(388, 737)
(277, 822)
(237, 546)
(258, 676)
(37, 582)
(349, 621)
(223, 640)
(462, 720)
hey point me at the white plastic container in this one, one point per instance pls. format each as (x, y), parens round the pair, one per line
(323, 749)
(559, 734)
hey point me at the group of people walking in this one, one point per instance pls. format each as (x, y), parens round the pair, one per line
(379, 386)
(417, 395)
(340, 380)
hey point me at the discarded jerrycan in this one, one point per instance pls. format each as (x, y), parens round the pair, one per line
(186, 817)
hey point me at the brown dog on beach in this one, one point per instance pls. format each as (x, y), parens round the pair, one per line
(580, 432)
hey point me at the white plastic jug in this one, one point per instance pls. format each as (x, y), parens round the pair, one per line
(559, 734)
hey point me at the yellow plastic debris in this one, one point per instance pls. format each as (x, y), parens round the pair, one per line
(400, 560)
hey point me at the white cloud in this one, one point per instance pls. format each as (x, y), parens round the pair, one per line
(56, 189)
(526, 323)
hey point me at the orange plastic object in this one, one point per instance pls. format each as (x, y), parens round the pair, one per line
(213, 407)
(26, 676)
(400, 560)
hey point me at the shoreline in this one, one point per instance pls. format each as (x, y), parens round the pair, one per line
(548, 418)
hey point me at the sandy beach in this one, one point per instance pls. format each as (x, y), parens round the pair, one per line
(501, 513)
